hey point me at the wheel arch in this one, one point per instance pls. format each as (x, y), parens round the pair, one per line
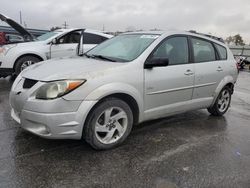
(131, 101)
(23, 55)
(230, 85)
(228, 81)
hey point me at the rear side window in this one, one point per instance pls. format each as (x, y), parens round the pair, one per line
(90, 38)
(222, 51)
(203, 50)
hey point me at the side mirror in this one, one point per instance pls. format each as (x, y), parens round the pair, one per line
(156, 62)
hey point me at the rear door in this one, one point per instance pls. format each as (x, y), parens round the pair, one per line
(208, 70)
(166, 88)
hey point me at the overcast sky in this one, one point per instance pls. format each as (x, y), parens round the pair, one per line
(219, 17)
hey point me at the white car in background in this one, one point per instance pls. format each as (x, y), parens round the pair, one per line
(59, 43)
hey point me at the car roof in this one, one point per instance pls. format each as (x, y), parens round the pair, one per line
(86, 30)
(179, 32)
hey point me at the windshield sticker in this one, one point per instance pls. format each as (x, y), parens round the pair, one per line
(149, 36)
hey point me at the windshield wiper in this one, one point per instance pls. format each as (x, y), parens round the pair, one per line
(100, 57)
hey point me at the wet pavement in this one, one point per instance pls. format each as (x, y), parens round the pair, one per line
(192, 149)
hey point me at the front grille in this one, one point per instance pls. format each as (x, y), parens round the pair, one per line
(28, 83)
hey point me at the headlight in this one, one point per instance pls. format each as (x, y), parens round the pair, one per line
(4, 50)
(57, 89)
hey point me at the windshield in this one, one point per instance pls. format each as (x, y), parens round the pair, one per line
(46, 36)
(123, 48)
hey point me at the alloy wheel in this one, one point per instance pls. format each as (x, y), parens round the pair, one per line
(223, 101)
(111, 125)
(26, 64)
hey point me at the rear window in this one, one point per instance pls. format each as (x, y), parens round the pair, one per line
(203, 50)
(222, 51)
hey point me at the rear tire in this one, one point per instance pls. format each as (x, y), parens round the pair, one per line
(222, 103)
(24, 62)
(109, 124)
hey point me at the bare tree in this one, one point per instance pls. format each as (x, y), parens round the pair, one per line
(236, 39)
(239, 40)
(229, 40)
(55, 28)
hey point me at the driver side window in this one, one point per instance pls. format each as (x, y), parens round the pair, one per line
(73, 37)
(175, 49)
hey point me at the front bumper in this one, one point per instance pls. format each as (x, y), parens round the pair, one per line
(5, 68)
(65, 125)
(56, 119)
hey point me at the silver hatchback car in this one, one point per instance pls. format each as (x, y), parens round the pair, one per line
(125, 80)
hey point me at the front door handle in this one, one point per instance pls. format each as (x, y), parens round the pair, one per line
(188, 72)
(219, 69)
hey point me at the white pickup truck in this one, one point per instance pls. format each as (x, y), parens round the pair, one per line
(59, 43)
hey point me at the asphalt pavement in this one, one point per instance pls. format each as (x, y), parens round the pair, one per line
(192, 150)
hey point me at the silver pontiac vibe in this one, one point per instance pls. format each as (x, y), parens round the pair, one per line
(123, 81)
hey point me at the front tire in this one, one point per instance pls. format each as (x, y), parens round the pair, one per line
(109, 124)
(24, 62)
(222, 102)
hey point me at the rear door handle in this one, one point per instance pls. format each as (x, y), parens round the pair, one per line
(219, 69)
(188, 72)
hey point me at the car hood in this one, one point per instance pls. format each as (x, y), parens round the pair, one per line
(27, 36)
(68, 68)
(31, 44)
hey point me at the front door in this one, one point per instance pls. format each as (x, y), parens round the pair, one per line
(66, 45)
(167, 88)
